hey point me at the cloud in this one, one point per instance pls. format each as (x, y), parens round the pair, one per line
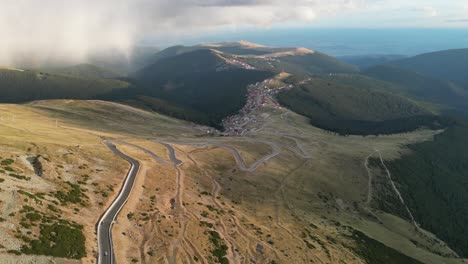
(60, 30)
(457, 20)
(430, 11)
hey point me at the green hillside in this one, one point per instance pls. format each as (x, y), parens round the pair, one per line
(432, 179)
(421, 87)
(172, 67)
(235, 48)
(198, 86)
(294, 62)
(363, 81)
(374, 252)
(173, 51)
(124, 64)
(355, 110)
(21, 86)
(366, 61)
(305, 64)
(448, 65)
(85, 71)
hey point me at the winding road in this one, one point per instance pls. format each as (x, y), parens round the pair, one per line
(104, 226)
(275, 151)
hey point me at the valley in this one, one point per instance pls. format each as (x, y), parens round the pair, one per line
(247, 154)
(265, 198)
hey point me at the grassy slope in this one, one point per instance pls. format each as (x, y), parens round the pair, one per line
(17, 86)
(433, 181)
(353, 109)
(328, 171)
(374, 252)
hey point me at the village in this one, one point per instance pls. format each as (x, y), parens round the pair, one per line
(248, 119)
(236, 63)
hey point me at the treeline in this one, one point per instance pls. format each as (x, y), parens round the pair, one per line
(433, 180)
(386, 127)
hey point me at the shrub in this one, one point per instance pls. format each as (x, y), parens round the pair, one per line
(58, 240)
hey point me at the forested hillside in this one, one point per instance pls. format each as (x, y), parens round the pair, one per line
(355, 110)
(447, 65)
(199, 86)
(366, 61)
(433, 180)
(421, 87)
(85, 71)
(21, 86)
(304, 64)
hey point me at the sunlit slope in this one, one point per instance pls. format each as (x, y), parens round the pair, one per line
(300, 208)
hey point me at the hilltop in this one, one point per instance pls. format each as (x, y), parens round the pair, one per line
(294, 60)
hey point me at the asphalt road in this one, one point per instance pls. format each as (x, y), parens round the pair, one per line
(104, 226)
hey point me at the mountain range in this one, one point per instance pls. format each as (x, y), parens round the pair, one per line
(366, 155)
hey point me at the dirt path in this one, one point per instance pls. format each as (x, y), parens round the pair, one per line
(216, 189)
(370, 179)
(397, 192)
(276, 150)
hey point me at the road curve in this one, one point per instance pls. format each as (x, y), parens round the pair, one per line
(104, 225)
(275, 151)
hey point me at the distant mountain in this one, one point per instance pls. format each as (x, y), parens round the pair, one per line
(173, 51)
(203, 86)
(448, 65)
(118, 61)
(421, 87)
(137, 58)
(295, 60)
(194, 62)
(349, 109)
(26, 85)
(235, 48)
(366, 61)
(85, 71)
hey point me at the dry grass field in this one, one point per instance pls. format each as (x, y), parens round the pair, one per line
(303, 204)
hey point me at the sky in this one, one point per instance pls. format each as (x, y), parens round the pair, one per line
(73, 30)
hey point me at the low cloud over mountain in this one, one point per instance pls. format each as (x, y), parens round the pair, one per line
(53, 30)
